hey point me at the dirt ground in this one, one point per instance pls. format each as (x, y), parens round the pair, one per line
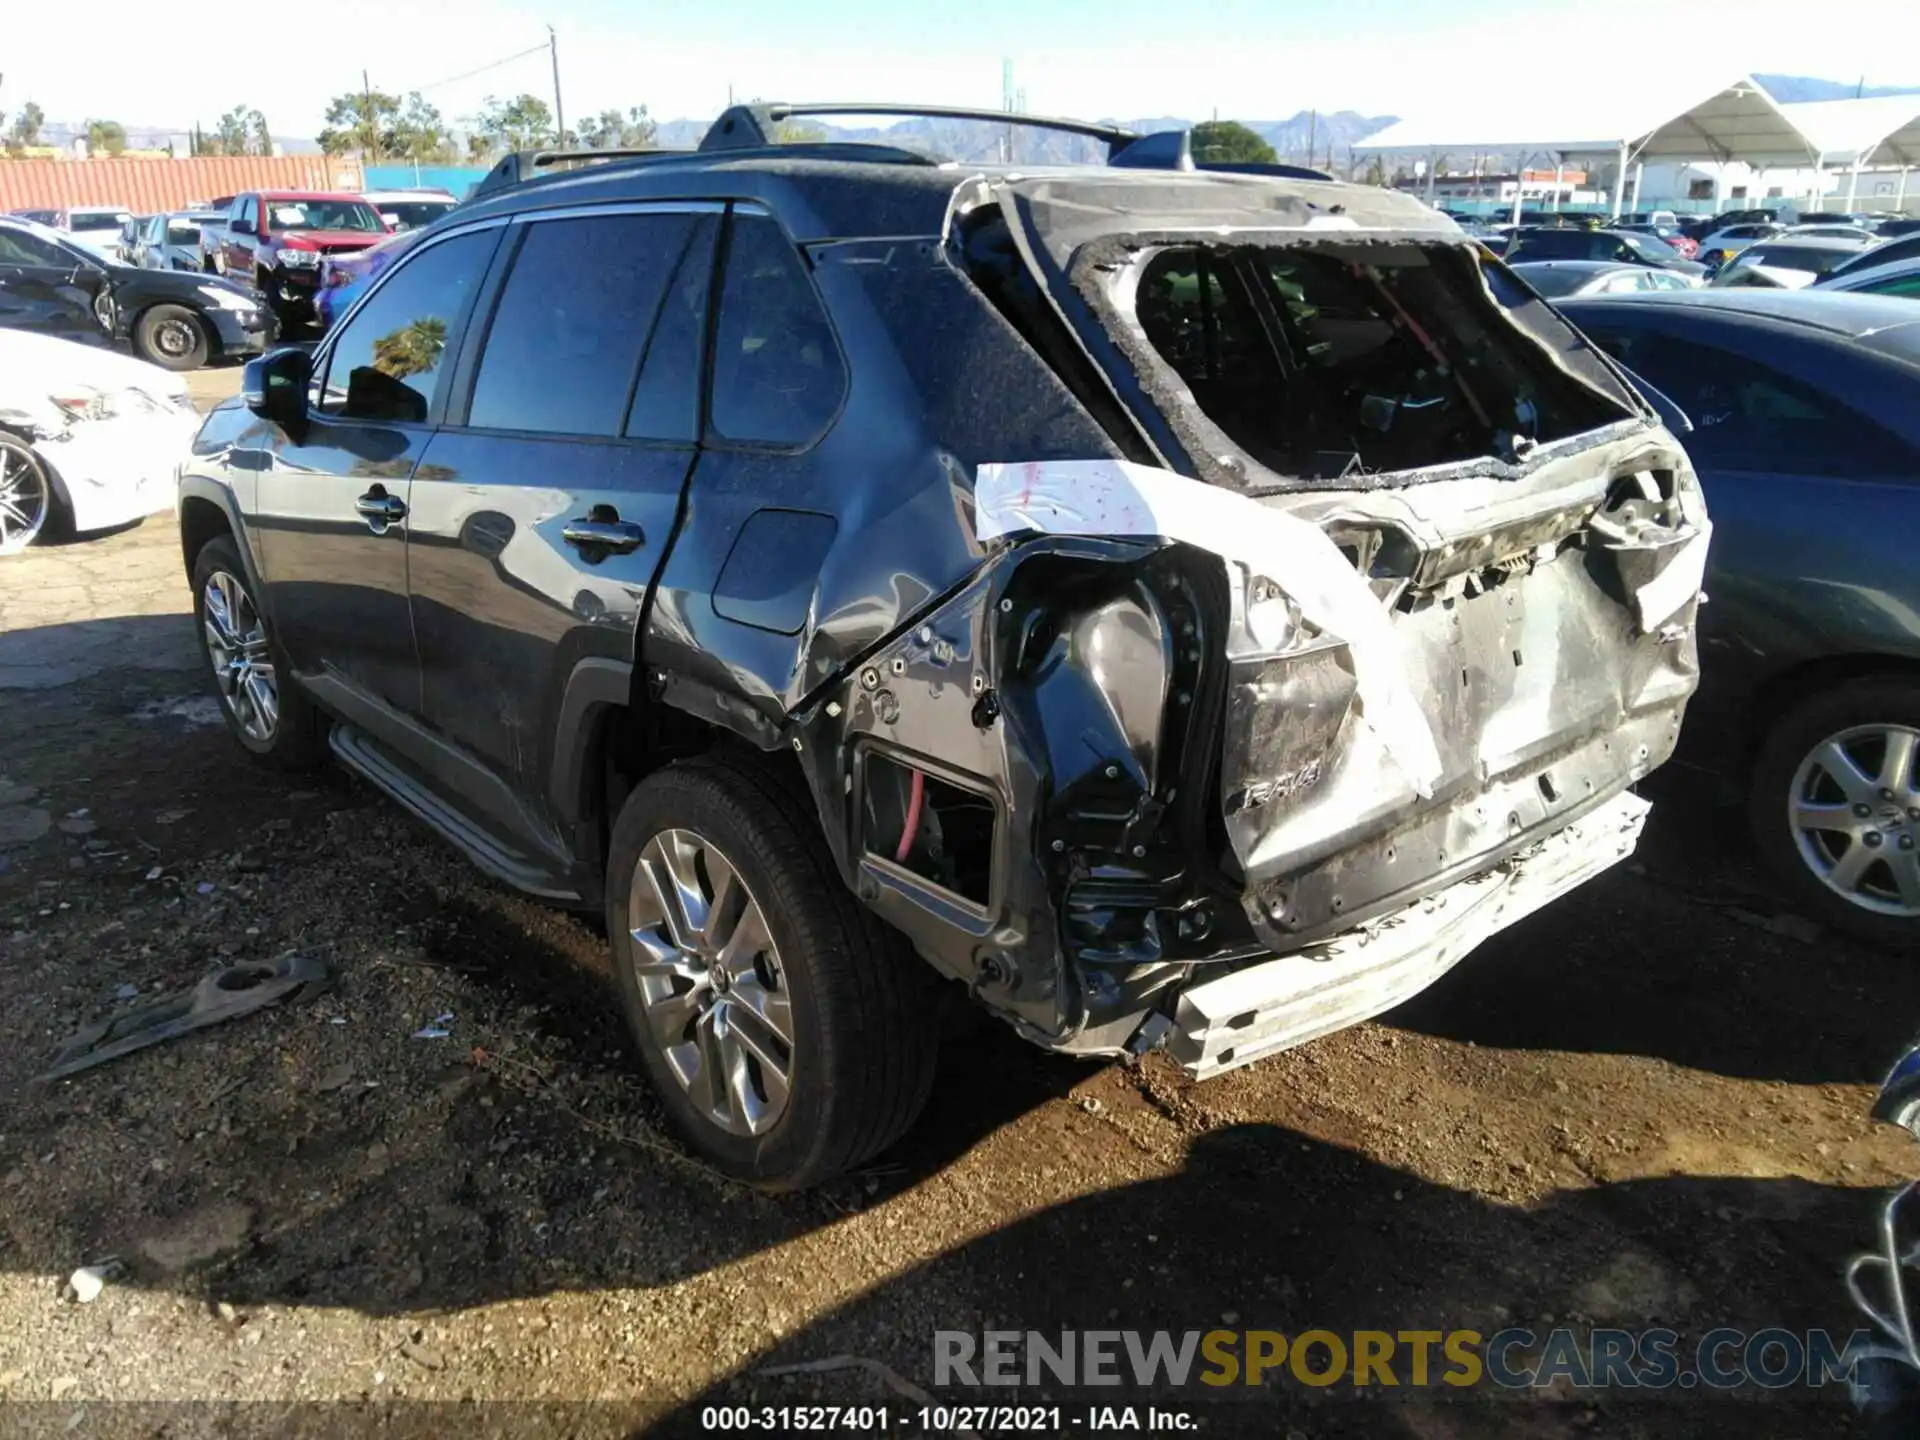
(1644, 1106)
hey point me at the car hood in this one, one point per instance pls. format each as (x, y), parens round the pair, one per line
(34, 366)
(188, 285)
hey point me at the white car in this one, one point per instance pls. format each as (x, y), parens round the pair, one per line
(409, 209)
(1832, 232)
(88, 439)
(97, 227)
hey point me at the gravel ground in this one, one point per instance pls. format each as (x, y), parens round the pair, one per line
(1643, 1106)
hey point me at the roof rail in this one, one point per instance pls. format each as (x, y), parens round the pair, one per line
(753, 127)
(519, 166)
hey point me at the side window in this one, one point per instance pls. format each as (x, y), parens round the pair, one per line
(566, 339)
(385, 363)
(777, 373)
(1748, 417)
(19, 248)
(1893, 285)
(666, 401)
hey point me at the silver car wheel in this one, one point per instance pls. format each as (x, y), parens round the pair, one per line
(242, 661)
(711, 982)
(1855, 812)
(25, 499)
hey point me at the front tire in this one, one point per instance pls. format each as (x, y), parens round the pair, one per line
(791, 1036)
(172, 337)
(29, 507)
(1835, 807)
(263, 707)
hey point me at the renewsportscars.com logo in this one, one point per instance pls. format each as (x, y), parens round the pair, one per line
(1514, 1358)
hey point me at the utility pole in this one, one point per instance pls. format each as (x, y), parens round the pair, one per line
(372, 147)
(1006, 103)
(559, 110)
(1313, 135)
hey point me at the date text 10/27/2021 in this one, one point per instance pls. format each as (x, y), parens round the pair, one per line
(944, 1419)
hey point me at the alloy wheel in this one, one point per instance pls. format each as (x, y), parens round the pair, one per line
(24, 500)
(711, 983)
(1855, 812)
(242, 661)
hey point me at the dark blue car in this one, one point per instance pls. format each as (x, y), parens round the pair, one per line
(1806, 414)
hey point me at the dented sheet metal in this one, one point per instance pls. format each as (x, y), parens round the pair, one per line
(1292, 556)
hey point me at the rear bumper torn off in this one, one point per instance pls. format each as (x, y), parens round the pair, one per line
(1276, 1004)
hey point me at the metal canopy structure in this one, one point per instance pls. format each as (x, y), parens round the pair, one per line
(1879, 132)
(1737, 122)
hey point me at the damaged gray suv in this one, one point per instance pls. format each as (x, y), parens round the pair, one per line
(1188, 607)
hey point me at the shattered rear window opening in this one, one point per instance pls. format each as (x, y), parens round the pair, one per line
(1328, 362)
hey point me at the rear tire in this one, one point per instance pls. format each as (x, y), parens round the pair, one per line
(172, 337)
(859, 1010)
(1848, 874)
(248, 665)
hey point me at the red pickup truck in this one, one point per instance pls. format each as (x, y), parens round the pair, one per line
(276, 239)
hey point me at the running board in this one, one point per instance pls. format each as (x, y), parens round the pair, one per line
(364, 756)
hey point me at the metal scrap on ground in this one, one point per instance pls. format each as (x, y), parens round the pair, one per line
(231, 991)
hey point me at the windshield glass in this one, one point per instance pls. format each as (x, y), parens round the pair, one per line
(1552, 281)
(324, 215)
(412, 214)
(82, 221)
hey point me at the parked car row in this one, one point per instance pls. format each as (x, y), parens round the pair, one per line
(52, 285)
(280, 249)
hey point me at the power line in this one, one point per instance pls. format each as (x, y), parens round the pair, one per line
(491, 65)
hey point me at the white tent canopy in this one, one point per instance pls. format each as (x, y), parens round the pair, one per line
(1737, 122)
(1740, 123)
(1882, 130)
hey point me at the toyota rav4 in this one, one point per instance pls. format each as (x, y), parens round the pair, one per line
(1188, 607)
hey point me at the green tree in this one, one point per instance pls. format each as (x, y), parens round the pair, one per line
(259, 138)
(610, 130)
(523, 123)
(106, 137)
(412, 349)
(420, 133)
(1226, 142)
(25, 129)
(359, 121)
(1377, 172)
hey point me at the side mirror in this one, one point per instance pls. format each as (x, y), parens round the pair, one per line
(274, 387)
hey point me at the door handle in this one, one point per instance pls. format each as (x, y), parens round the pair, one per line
(379, 509)
(614, 535)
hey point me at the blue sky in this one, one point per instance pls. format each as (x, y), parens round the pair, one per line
(1086, 57)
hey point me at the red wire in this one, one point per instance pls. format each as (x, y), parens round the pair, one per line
(915, 798)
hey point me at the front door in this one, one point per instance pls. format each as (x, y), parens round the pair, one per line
(332, 501)
(38, 289)
(543, 507)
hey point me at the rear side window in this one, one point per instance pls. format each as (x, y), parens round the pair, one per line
(573, 321)
(387, 360)
(777, 374)
(1747, 416)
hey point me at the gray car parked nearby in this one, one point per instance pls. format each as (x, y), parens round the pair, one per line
(171, 241)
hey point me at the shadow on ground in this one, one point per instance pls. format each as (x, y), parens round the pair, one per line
(1267, 1229)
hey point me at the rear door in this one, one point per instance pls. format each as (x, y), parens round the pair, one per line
(331, 508)
(542, 510)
